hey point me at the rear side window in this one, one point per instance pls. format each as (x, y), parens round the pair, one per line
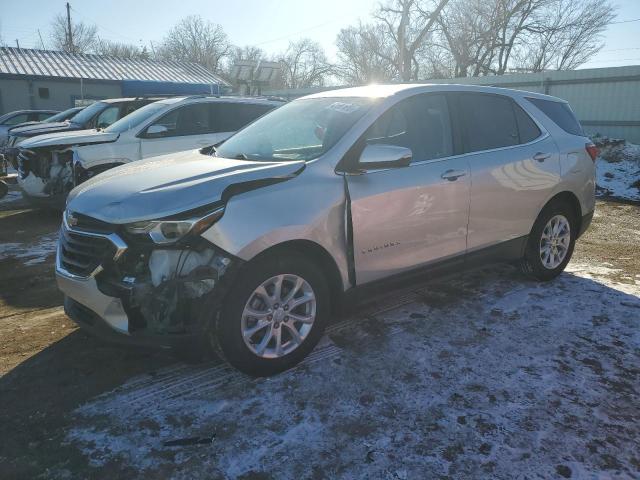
(233, 116)
(489, 122)
(560, 113)
(527, 128)
(16, 119)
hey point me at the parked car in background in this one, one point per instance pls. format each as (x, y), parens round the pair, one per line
(11, 119)
(50, 165)
(99, 114)
(8, 150)
(247, 253)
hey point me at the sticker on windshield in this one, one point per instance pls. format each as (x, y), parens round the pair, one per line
(343, 107)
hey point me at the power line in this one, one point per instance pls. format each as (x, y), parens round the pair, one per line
(625, 21)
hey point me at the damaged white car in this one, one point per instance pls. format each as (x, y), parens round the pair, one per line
(248, 251)
(51, 165)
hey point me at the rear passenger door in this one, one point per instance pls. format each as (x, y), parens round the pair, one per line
(514, 168)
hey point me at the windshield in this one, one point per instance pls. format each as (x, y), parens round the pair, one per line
(88, 113)
(62, 116)
(300, 130)
(135, 118)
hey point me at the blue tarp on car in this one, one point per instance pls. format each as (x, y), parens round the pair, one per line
(136, 88)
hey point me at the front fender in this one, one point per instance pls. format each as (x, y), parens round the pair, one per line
(309, 207)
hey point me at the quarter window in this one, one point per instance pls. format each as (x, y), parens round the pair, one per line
(420, 123)
(560, 113)
(489, 122)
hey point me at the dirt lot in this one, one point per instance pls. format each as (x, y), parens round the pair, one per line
(481, 375)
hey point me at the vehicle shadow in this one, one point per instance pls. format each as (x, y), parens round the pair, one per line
(37, 395)
(27, 250)
(460, 348)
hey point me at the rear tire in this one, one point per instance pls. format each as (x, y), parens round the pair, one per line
(288, 319)
(550, 243)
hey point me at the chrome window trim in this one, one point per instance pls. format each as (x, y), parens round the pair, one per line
(114, 238)
(544, 135)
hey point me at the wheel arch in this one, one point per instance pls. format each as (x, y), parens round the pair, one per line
(318, 255)
(571, 200)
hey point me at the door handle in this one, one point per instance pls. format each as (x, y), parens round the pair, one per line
(453, 175)
(541, 157)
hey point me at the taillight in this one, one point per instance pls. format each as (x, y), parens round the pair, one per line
(592, 150)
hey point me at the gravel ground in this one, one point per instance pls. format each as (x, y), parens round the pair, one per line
(483, 375)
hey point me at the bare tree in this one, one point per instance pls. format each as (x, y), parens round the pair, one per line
(570, 34)
(365, 55)
(304, 64)
(84, 36)
(196, 40)
(495, 36)
(121, 50)
(408, 24)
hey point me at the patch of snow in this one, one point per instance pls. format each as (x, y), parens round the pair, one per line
(31, 253)
(485, 376)
(618, 171)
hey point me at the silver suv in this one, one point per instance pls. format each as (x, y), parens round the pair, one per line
(248, 250)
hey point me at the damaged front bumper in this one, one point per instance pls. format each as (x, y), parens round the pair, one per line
(142, 294)
(45, 175)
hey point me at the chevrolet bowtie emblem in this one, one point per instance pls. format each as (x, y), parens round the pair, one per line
(72, 221)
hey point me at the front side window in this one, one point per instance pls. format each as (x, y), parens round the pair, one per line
(420, 123)
(489, 121)
(108, 116)
(136, 118)
(187, 120)
(304, 129)
(87, 114)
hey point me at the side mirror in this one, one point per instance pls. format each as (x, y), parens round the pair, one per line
(378, 156)
(156, 131)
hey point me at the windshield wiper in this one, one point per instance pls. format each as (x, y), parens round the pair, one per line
(240, 156)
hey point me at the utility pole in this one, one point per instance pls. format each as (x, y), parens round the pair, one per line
(41, 42)
(70, 40)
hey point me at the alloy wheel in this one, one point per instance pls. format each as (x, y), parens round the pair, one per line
(278, 316)
(555, 241)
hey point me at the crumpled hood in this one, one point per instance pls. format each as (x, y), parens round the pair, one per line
(167, 185)
(78, 137)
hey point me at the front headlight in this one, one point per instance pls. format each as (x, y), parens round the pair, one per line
(163, 232)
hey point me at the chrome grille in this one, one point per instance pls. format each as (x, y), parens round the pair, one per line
(81, 254)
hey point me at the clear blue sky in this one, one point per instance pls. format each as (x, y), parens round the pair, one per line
(270, 24)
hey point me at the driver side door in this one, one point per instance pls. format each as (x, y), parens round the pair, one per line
(404, 218)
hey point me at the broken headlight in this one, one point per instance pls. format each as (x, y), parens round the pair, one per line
(163, 232)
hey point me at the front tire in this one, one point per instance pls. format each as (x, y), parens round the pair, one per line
(550, 243)
(274, 315)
